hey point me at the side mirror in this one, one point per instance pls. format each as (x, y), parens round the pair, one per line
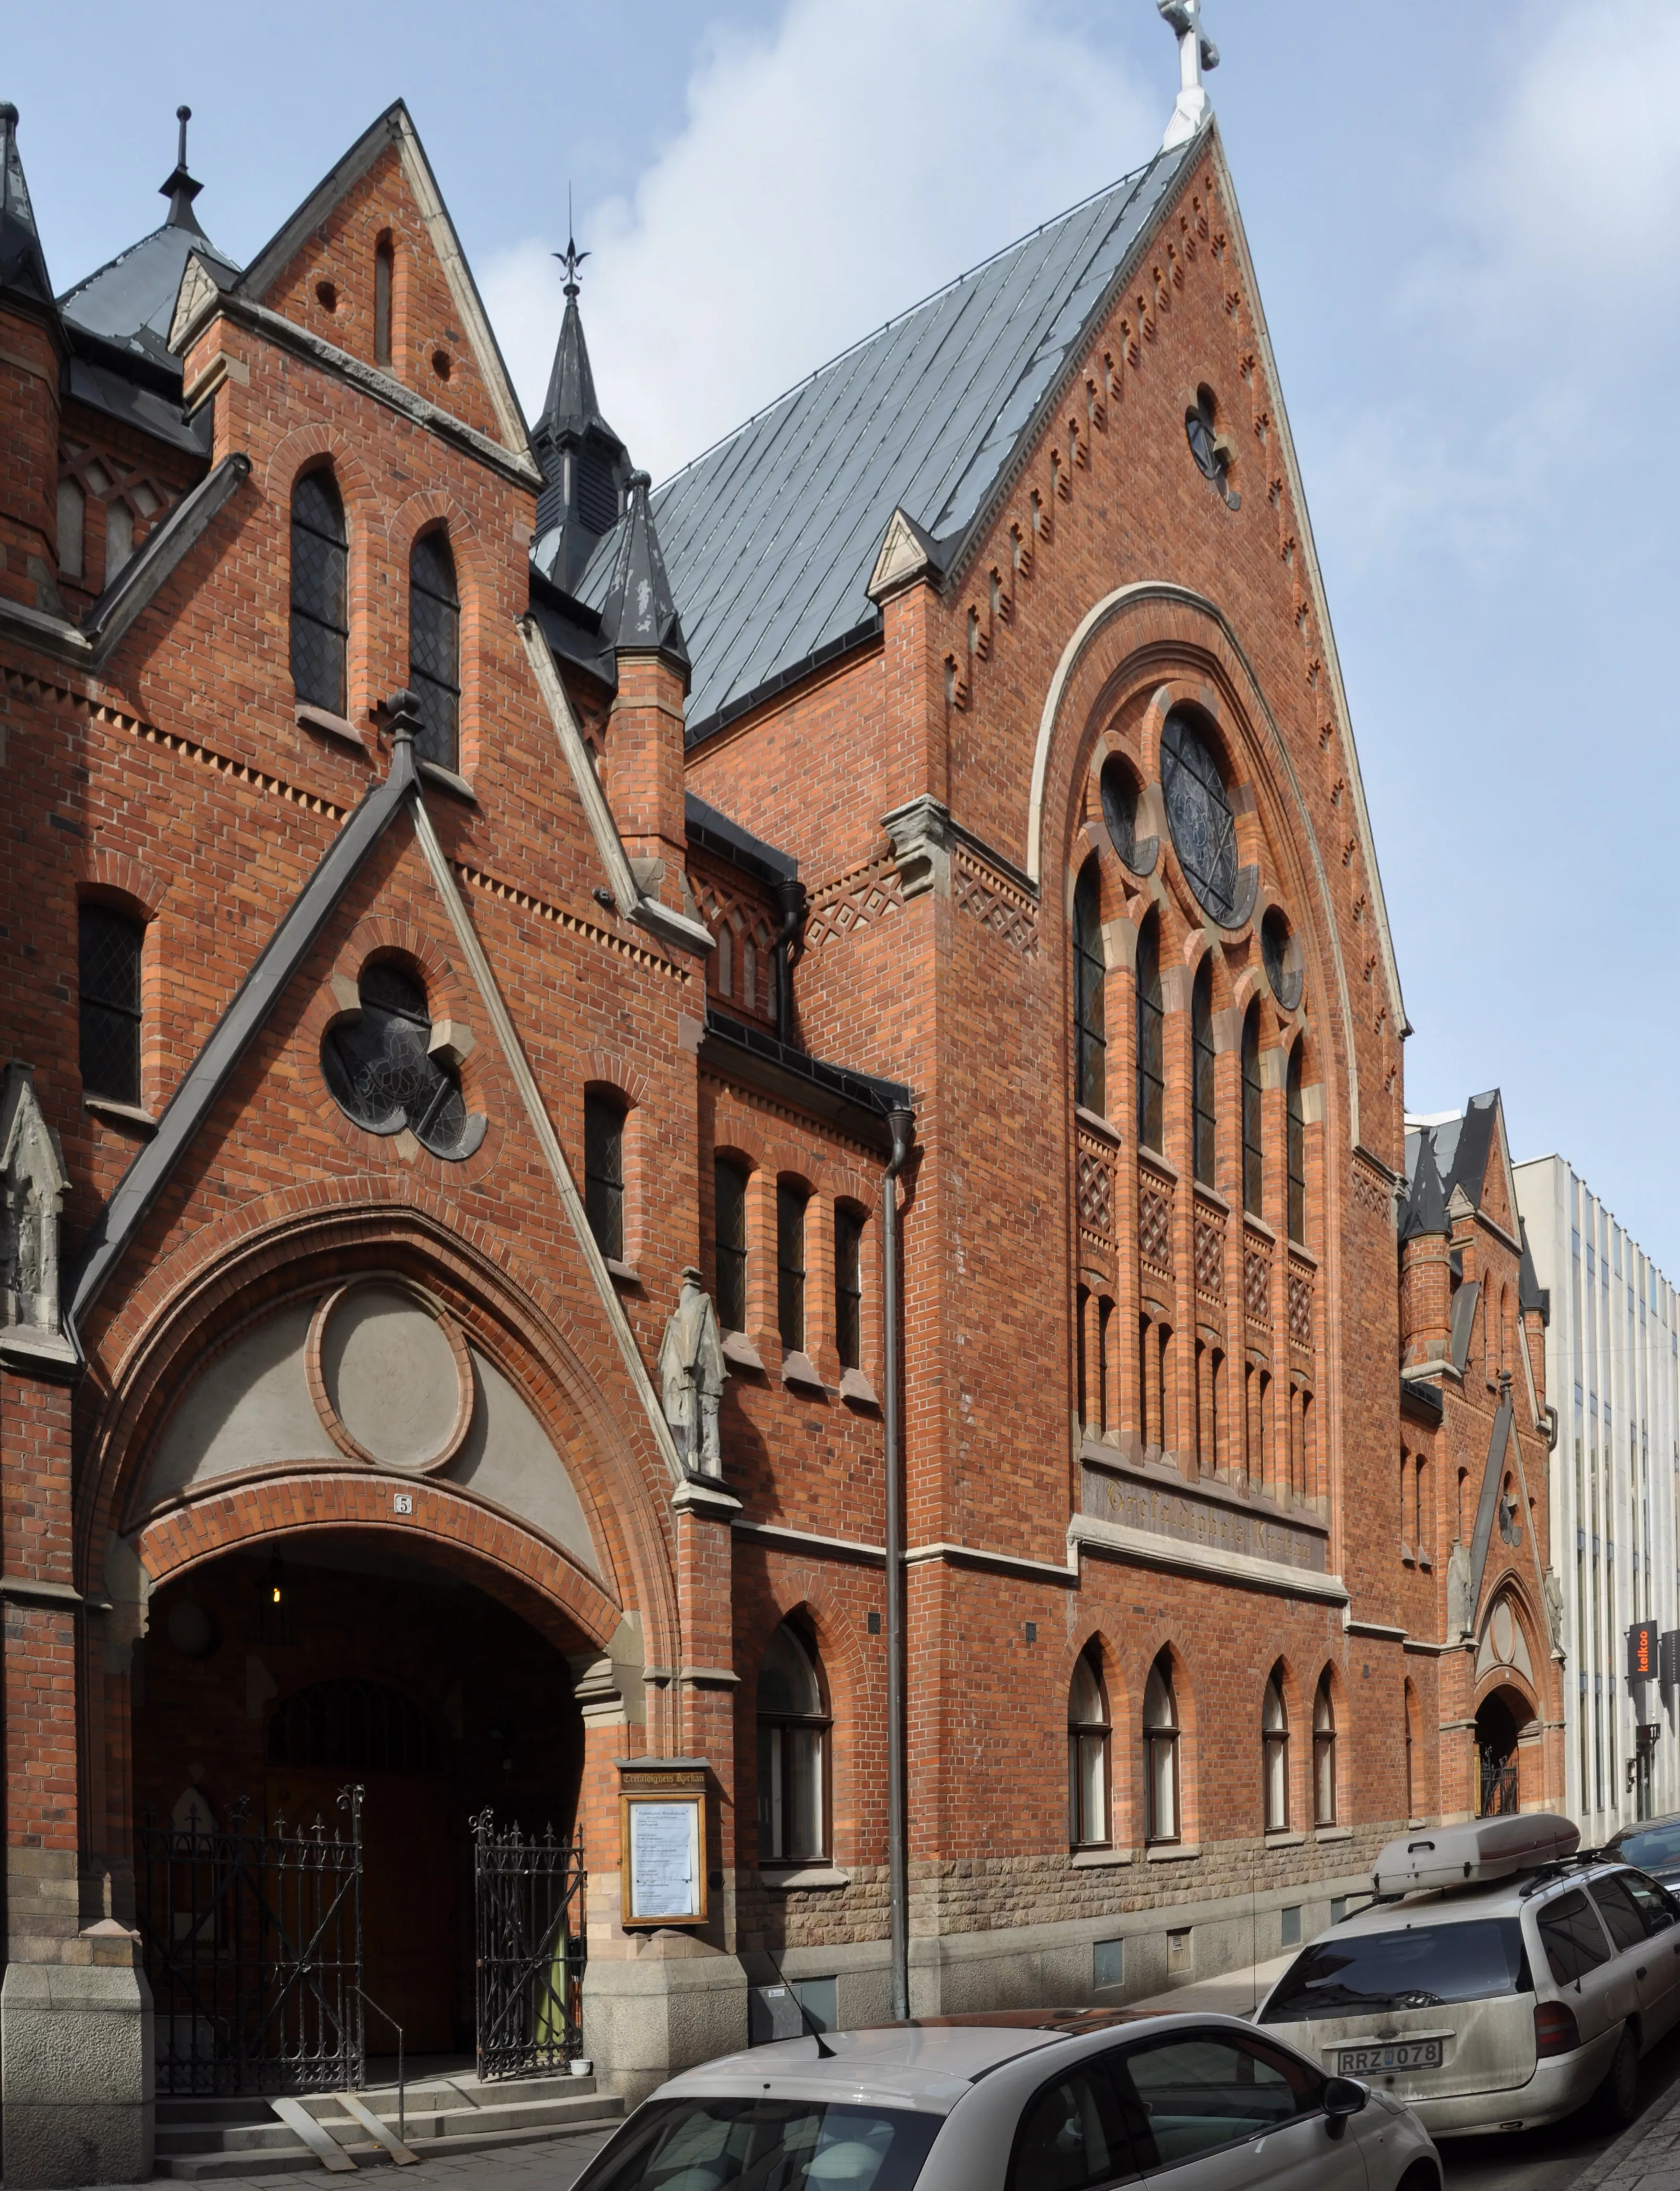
(1343, 2097)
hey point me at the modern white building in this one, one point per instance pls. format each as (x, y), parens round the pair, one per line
(1612, 1375)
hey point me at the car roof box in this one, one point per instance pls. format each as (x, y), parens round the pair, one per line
(1469, 1855)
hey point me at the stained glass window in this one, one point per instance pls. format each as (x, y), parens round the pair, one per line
(1089, 1029)
(1151, 1060)
(435, 648)
(1199, 815)
(109, 945)
(1202, 1072)
(383, 1073)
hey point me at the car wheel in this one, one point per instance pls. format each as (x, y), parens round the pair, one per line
(1420, 2176)
(1617, 2099)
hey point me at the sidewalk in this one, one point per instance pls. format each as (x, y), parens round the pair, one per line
(1644, 2157)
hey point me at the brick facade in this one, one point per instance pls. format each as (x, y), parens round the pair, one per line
(1140, 1420)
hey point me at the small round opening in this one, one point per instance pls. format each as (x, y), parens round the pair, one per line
(327, 294)
(441, 363)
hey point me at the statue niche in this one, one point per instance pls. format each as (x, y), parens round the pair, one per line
(32, 1185)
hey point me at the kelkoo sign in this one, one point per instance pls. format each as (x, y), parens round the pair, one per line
(1641, 1651)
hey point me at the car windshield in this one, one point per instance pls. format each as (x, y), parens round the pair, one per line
(1652, 1847)
(764, 2144)
(1419, 1966)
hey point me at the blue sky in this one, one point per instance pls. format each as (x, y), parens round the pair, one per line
(1464, 222)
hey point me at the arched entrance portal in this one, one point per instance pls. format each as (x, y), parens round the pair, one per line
(1500, 1719)
(270, 1678)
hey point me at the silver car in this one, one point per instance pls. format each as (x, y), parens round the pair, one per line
(1493, 2006)
(1065, 2103)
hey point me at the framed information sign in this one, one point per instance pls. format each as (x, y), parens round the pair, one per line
(662, 1842)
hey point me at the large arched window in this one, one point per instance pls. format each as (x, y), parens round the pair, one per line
(1253, 1163)
(1089, 1826)
(1297, 1152)
(1161, 1753)
(1201, 1073)
(1151, 1040)
(1274, 1754)
(435, 648)
(730, 1221)
(109, 952)
(1324, 1754)
(1089, 1036)
(793, 1725)
(320, 562)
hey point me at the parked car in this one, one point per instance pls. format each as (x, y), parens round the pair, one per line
(1652, 1847)
(1531, 1985)
(1050, 2102)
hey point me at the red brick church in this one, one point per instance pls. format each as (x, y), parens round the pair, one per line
(624, 1108)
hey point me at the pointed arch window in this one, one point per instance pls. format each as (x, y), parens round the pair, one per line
(1297, 1152)
(1201, 1076)
(1090, 1033)
(849, 1223)
(1151, 1040)
(1253, 1159)
(1088, 1733)
(793, 1733)
(1274, 1754)
(435, 647)
(729, 1220)
(385, 267)
(791, 1199)
(1324, 1754)
(320, 563)
(110, 948)
(1161, 1753)
(603, 1115)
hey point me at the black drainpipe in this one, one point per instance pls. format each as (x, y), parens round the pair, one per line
(902, 1122)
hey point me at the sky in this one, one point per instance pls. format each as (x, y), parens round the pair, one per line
(1464, 223)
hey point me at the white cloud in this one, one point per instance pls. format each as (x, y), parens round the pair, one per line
(827, 176)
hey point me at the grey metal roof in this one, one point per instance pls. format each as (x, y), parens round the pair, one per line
(130, 303)
(770, 538)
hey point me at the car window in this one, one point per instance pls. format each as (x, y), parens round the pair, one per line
(1654, 1903)
(1073, 2135)
(764, 2144)
(1572, 1937)
(1196, 2091)
(1420, 1966)
(1621, 1913)
(1652, 1846)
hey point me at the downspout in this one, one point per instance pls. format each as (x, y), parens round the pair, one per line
(902, 1122)
(790, 949)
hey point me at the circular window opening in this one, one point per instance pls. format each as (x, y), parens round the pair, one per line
(441, 363)
(1199, 815)
(1212, 457)
(1281, 954)
(1120, 809)
(383, 1071)
(327, 293)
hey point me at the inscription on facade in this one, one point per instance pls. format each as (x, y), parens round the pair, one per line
(1139, 1502)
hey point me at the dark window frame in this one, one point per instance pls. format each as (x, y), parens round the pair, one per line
(1090, 973)
(1253, 1117)
(320, 626)
(1296, 1150)
(1159, 1735)
(434, 647)
(820, 1724)
(849, 1225)
(1274, 1746)
(384, 293)
(1151, 1061)
(728, 1240)
(1326, 1772)
(604, 1114)
(1204, 1115)
(110, 973)
(794, 1203)
(1085, 1735)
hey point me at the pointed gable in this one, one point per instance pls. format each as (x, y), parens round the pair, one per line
(321, 272)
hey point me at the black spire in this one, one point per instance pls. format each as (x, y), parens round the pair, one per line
(585, 463)
(1424, 1209)
(23, 264)
(180, 189)
(639, 614)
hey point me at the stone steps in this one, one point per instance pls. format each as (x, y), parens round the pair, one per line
(205, 2140)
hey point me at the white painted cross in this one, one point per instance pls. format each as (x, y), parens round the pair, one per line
(1195, 53)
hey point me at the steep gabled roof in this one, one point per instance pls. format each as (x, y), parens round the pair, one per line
(771, 536)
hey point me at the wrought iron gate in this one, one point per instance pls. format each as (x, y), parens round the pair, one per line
(253, 1945)
(528, 1900)
(1499, 1789)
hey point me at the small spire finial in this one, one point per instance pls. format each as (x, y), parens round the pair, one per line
(183, 115)
(1197, 52)
(180, 189)
(572, 258)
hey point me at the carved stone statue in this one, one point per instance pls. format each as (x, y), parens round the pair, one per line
(32, 1189)
(1459, 1611)
(1554, 1610)
(691, 1371)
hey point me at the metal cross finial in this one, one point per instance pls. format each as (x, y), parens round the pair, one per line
(572, 258)
(1196, 52)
